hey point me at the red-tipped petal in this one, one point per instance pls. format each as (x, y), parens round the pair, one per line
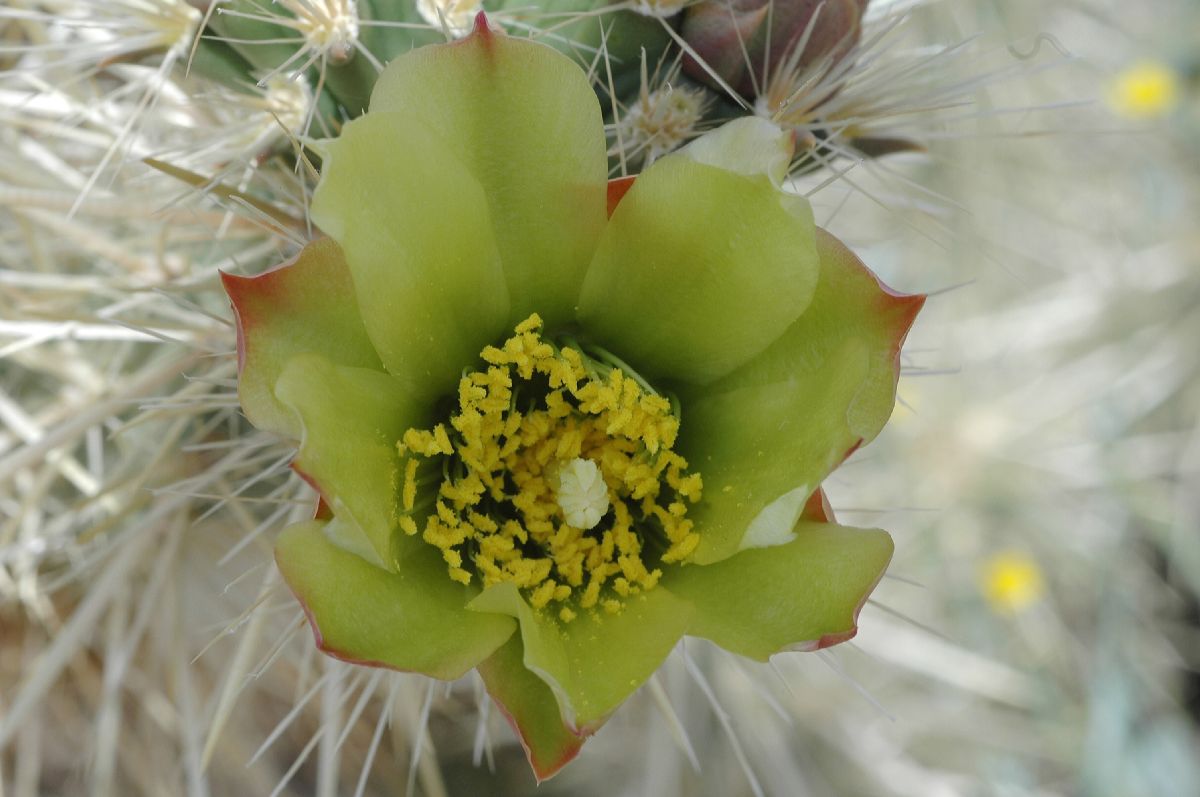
(822, 389)
(806, 593)
(305, 305)
(483, 28)
(531, 709)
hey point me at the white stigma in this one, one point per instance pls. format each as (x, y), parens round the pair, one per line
(582, 493)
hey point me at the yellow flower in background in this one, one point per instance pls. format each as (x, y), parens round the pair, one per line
(1012, 582)
(1145, 90)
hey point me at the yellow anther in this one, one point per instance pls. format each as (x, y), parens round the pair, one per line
(491, 354)
(556, 405)
(483, 523)
(427, 443)
(409, 496)
(442, 440)
(529, 490)
(446, 515)
(531, 324)
(683, 549)
(542, 595)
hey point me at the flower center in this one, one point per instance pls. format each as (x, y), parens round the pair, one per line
(557, 474)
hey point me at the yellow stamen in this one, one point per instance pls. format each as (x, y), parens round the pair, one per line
(559, 498)
(410, 484)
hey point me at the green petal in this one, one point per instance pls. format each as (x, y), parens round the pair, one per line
(805, 594)
(698, 271)
(763, 449)
(850, 302)
(525, 123)
(767, 435)
(593, 663)
(531, 709)
(351, 419)
(417, 234)
(410, 620)
(307, 305)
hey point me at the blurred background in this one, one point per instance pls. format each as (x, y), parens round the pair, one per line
(1037, 633)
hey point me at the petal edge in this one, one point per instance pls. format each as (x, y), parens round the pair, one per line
(596, 661)
(306, 304)
(416, 623)
(531, 709)
(808, 591)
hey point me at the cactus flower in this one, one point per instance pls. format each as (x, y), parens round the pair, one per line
(557, 423)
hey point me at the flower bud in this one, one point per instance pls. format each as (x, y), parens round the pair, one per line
(744, 41)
